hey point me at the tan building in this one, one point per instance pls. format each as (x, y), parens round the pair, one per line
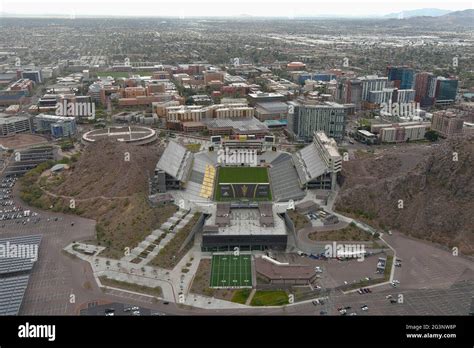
(133, 92)
(446, 123)
(197, 113)
(210, 76)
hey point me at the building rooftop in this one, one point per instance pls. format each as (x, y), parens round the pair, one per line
(238, 124)
(276, 272)
(246, 222)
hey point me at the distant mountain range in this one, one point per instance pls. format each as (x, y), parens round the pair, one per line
(452, 19)
(429, 12)
(428, 16)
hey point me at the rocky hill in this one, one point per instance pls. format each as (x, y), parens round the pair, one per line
(436, 191)
(109, 183)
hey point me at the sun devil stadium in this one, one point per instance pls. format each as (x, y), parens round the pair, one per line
(244, 187)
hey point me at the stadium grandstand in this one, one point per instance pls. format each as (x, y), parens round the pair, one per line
(317, 164)
(201, 182)
(174, 167)
(284, 178)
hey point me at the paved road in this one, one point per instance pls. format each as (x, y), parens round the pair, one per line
(433, 282)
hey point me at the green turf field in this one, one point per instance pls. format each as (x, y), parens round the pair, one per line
(231, 271)
(243, 175)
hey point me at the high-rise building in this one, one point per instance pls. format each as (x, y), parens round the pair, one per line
(446, 90)
(372, 83)
(404, 95)
(423, 83)
(381, 97)
(305, 119)
(33, 75)
(353, 92)
(402, 76)
(446, 123)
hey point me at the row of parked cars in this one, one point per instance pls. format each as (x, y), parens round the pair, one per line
(8, 209)
(7, 183)
(362, 291)
(132, 310)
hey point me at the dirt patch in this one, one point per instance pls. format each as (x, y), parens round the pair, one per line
(202, 280)
(19, 141)
(349, 233)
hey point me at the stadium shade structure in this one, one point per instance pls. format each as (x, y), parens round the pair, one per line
(16, 265)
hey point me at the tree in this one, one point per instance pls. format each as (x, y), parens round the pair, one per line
(431, 135)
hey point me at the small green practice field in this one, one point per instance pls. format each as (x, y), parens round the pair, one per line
(229, 271)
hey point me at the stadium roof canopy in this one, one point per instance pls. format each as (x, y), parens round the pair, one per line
(18, 254)
(17, 257)
(12, 290)
(176, 161)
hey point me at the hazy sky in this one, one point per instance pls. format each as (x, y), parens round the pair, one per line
(223, 8)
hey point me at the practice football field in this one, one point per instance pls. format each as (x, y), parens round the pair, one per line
(231, 271)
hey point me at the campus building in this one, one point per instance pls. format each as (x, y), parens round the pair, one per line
(402, 77)
(372, 83)
(446, 90)
(177, 115)
(15, 124)
(57, 126)
(446, 123)
(306, 119)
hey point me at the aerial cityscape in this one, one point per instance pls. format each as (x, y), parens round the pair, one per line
(250, 164)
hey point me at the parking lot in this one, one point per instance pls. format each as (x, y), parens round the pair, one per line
(55, 276)
(117, 309)
(9, 209)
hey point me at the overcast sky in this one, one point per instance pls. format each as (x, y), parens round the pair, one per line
(186, 8)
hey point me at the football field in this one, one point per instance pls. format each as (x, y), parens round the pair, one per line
(243, 175)
(229, 271)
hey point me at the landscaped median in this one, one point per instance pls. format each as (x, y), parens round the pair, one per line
(156, 291)
(173, 252)
(270, 298)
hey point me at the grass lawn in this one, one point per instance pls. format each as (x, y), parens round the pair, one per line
(270, 298)
(243, 175)
(241, 296)
(114, 74)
